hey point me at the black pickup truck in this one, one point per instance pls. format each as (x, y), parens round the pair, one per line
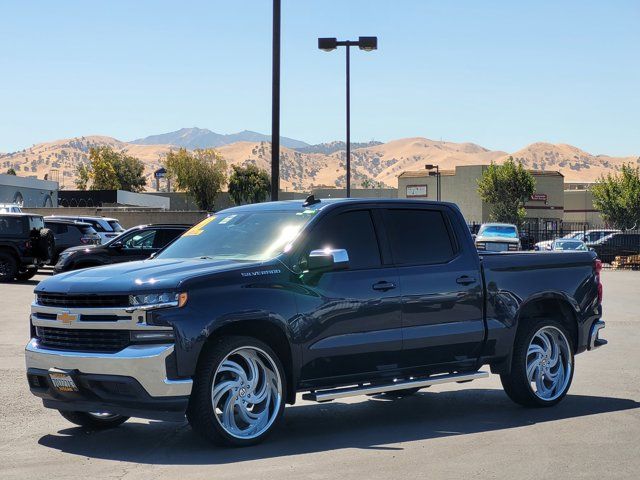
(331, 298)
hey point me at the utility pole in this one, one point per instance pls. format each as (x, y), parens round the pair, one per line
(275, 104)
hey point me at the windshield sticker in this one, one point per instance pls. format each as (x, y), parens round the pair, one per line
(227, 219)
(197, 229)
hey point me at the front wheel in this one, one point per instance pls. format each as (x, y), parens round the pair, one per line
(27, 274)
(542, 365)
(94, 420)
(238, 392)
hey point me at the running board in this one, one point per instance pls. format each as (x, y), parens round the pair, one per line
(328, 395)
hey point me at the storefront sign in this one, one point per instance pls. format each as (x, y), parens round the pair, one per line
(416, 191)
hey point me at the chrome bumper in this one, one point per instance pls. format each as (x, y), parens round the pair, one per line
(594, 336)
(144, 363)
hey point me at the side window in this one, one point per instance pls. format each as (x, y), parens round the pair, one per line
(143, 239)
(352, 231)
(95, 224)
(163, 237)
(418, 237)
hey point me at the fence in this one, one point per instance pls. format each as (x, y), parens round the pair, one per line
(617, 249)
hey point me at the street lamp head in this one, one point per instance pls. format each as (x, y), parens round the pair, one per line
(327, 44)
(368, 43)
(429, 166)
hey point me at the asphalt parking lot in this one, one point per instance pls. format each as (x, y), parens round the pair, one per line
(466, 431)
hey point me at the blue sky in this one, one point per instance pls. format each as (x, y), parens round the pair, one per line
(498, 73)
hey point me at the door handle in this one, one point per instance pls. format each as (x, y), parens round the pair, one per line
(465, 280)
(383, 286)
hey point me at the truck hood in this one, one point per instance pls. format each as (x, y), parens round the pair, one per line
(145, 275)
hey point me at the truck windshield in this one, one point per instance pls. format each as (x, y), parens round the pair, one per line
(257, 235)
(506, 231)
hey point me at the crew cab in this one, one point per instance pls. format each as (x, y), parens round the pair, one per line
(330, 298)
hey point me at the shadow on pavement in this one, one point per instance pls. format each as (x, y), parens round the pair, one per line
(373, 423)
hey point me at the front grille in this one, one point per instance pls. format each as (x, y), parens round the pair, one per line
(83, 340)
(71, 301)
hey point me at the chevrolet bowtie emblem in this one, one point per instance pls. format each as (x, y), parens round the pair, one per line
(66, 317)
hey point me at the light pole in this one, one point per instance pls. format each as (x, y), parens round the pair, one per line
(275, 103)
(364, 43)
(435, 174)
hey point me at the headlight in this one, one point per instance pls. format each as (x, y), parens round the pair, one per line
(481, 245)
(158, 300)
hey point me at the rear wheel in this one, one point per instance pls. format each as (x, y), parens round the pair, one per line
(238, 392)
(8, 267)
(94, 420)
(542, 365)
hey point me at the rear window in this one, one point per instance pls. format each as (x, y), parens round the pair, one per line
(13, 226)
(115, 226)
(56, 228)
(36, 223)
(86, 229)
(95, 224)
(418, 237)
(505, 231)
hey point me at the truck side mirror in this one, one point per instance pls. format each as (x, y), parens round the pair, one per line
(328, 259)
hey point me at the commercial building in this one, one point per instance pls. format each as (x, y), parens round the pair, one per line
(578, 206)
(545, 209)
(28, 192)
(112, 198)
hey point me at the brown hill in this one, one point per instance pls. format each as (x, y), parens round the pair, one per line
(376, 164)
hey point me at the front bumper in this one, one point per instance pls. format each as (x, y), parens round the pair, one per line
(130, 382)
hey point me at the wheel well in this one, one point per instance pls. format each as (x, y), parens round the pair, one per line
(271, 335)
(10, 251)
(553, 308)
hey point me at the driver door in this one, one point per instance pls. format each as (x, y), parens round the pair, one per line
(350, 319)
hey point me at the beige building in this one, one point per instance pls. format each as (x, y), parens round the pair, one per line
(544, 211)
(578, 205)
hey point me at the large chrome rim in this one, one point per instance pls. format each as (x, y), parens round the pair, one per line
(246, 392)
(549, 363)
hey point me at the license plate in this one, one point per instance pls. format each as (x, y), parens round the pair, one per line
(497, 247)
(63, 382)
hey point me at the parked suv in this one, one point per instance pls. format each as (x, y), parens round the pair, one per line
(137, 243)
(25, 245)
(617, 244)
(107, 228)
(70, 233)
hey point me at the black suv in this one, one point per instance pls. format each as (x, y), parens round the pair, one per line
(70, 233)
(25, 245)
(137, 243)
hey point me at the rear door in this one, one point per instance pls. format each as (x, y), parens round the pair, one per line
(442, 298)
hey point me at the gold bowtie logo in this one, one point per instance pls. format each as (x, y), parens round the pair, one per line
(66, 317)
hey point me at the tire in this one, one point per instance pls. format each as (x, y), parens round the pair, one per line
(551, 367)
(27, 274)
(45, 245)
(226, 366)
(8, 267)
(94, 421)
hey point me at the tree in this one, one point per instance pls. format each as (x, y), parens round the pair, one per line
(249, 184)
(11, 171)
(83, 173)
(618, 197)
(111, 170)
(200, 173)
(506, 188)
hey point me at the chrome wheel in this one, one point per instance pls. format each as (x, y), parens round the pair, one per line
(246, 392)
(549, 363)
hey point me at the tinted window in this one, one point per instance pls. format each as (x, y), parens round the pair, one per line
(95, 224)
(86, 229)
(418, 237)
(352, 231)
(164, 237)
(56, 228)
(13, 226)
(141, 239)
(115, 226)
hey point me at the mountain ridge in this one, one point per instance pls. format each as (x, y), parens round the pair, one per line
(373, 163)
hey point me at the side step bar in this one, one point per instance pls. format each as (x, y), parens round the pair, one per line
(328, 395)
